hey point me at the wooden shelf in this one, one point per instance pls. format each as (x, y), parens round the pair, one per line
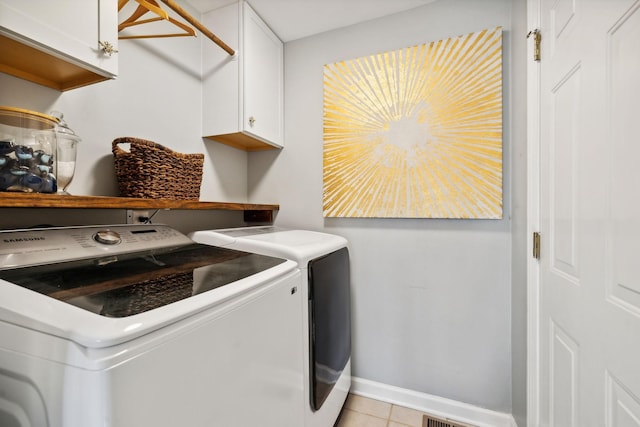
(252, 212)
(242, 142)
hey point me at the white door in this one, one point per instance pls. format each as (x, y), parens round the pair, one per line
(589, 276)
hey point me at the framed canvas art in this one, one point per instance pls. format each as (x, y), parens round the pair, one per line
(416, 132)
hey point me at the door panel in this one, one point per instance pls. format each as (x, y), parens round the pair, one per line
(562, 13)
(563, 146)
(624, 102)
(623, 409)
(564, 359)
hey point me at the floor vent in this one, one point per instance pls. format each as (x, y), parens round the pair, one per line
(431, 421)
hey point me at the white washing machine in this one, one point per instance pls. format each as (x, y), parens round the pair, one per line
(138, 326)
(323, 260)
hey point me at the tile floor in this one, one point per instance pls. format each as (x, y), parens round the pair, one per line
(360, 411)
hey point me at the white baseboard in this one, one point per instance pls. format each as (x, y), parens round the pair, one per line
(437, 406)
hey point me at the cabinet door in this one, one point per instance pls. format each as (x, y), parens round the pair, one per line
(263, 80)
(69, 30)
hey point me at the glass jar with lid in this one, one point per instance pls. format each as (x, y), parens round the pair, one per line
(67, 147)
(37, 151)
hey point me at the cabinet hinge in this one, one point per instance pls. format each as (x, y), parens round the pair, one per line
(537, 39)
(536, 245)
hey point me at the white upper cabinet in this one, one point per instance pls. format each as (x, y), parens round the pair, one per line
(243, 94)
(59, 44)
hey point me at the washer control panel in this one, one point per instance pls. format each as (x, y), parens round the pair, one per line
(22, 248)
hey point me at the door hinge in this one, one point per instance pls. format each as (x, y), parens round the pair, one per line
(537, 39)
(536, 245)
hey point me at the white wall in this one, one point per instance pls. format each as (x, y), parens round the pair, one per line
(157, 96)
(431, 298)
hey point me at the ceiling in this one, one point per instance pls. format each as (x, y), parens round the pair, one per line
(295, 19)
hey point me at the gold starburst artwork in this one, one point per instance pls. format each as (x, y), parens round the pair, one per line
(417, 132)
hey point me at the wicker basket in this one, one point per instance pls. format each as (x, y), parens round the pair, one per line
(152, 171)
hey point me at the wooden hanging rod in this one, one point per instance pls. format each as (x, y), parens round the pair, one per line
(204, 30)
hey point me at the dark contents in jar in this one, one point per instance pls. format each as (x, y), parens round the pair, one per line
(23, 169)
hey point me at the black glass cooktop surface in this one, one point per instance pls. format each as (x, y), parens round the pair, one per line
(124, 285)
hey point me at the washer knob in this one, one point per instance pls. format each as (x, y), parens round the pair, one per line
(107, 237)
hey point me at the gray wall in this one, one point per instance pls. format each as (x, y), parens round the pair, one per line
(431, 298)
(519, 249)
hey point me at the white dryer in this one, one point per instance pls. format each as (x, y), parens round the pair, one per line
(323, 260)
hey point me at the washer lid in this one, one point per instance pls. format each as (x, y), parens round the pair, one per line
(132, 283)
(99, 301)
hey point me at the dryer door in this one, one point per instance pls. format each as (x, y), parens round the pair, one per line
(329, 322)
